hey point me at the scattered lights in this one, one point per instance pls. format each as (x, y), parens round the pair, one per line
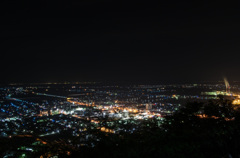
(107, 130)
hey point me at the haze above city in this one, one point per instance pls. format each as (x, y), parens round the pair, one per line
(119, 41)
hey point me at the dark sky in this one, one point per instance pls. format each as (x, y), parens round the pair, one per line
(97, 40)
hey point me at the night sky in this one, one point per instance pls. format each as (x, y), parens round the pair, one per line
(90, 40)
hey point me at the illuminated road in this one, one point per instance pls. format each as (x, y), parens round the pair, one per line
(50, 95)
